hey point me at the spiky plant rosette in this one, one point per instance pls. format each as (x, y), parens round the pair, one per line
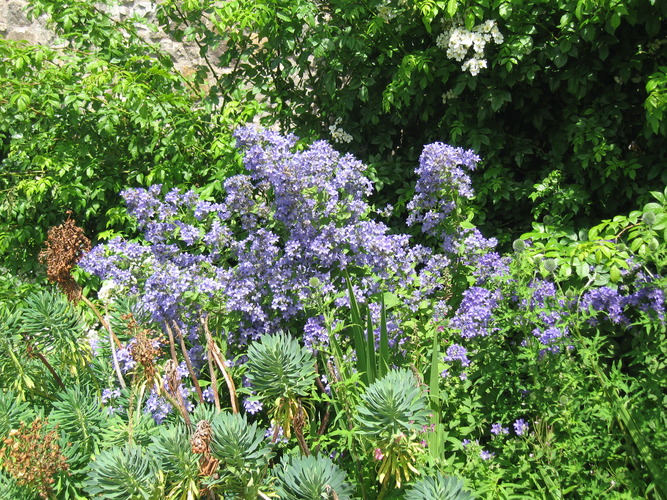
(177, 461)
(13, 411)
(125, 472)
(392, 414)
(80, 418)
(281, 372)
(51, 326)
(440, 487)
(242, 451)
(311, 477)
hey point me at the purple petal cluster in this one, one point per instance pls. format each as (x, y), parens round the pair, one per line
(442, 182)
(520, 427)
(646, 297)
(474, 317)
(455, 352)
(295, 215)
(608, 300)
(498, 429)
(157, 406)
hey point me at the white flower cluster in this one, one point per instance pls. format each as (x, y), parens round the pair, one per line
(108, 291)
(338, 134)
(457, 41)
(448, 95)
(385, 11)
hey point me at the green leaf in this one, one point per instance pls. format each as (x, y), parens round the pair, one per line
(371, 364)
(452, 8)
(505, 10)
(357, 333)
(383, 362)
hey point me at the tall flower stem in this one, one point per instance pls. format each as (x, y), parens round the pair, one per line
(112, 339)
(214, 351)
(193, 377)
(48, 366)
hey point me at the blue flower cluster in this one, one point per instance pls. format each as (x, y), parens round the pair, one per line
(294, 216)
(615, 303)
(442, 182)
(474, 317)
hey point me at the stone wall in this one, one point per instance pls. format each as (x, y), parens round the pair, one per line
(15, 25)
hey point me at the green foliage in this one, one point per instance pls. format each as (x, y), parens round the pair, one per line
(43, 343)
(440, 487)
(178, 463)
(80, 419)
(125, 472)
(106, 111)
(50, 324)
(278, 367)
(136, 428)
(243, 453)
(9, 490)
(315, 477)
(18, 373)
(13, 411)
(602, 253)
(392, 406)
(370, 363)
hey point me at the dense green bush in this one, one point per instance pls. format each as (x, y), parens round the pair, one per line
(105, 110)
(567, 112)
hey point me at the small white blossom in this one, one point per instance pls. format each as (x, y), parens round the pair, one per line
(474, 65)
(448, 95)
(458, 41)
(108, 291)
(385, 11)
(338, 134)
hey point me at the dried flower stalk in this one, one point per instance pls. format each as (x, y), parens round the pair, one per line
(65, 245)
(32, 456)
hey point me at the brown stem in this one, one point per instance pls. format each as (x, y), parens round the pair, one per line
(222, 364)
(50, 368)
(191, 371)
(214, 382)
(116, 366)
(172, 344)
(177, 399)
(101, 319)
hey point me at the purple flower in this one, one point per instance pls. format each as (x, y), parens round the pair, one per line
(605, 299)
(498, 429)
(125, 359)
(441, 183)
(455, 352)
(252, 406)
(474, 316)
(276, 437)
(208, 395)
(109, 394)
(157, 406)
(549, 335)
(520, 427)
(486, 455)
(315, 334)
